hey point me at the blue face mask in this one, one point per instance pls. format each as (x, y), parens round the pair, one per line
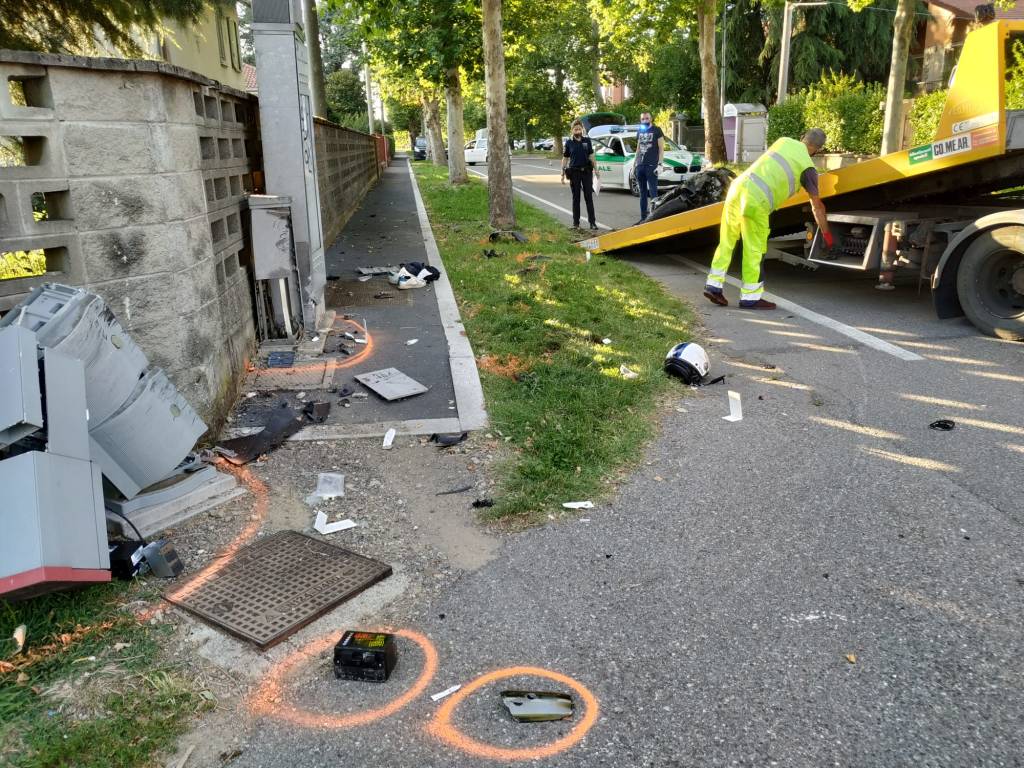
(645, 124)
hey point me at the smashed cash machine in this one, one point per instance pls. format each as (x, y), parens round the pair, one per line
(86, 425)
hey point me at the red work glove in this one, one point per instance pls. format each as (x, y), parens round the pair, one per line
(829, 240)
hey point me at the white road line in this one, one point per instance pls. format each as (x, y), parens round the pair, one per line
(809, 314)
(539, 199)
(552, 168)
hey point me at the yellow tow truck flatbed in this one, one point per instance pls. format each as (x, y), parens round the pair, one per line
(948, 186)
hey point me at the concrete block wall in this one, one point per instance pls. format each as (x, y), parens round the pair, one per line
(146, 168)
(346, 168)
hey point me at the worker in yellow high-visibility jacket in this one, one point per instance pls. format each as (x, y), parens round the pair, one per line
(764, 186)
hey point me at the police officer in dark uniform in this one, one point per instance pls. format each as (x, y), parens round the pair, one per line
(579, 165)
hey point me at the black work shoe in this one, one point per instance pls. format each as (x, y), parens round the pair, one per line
(716, 298)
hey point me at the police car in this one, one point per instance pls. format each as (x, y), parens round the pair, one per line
(615, 152)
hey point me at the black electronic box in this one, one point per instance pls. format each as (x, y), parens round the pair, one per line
(369, 656)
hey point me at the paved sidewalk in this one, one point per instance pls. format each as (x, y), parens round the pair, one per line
(390, 228)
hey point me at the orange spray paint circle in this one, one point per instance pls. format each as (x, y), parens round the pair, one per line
(441, 726)
(267, 700)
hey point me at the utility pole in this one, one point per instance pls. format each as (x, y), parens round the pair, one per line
(787, 39)
(311, 22)
(725, 35)
(369, 88)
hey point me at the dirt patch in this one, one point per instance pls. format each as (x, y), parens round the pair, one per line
(509, 366)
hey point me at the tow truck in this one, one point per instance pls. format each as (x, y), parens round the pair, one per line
(953, 209)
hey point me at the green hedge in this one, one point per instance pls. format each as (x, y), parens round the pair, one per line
(925, 116)
(1015, 77)
(850, 112)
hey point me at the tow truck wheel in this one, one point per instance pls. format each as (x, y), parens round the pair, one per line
(634, 185)
(990, 282)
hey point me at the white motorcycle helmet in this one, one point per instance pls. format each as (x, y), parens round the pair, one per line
(688, 361)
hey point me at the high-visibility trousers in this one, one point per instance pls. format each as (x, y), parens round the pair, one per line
(745, 216)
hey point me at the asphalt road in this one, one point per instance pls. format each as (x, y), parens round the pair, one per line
(827, 582)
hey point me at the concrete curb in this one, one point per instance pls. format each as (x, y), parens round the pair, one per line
(351, 431)
(469, 396)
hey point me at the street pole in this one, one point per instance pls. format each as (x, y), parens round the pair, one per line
(787, 39)
(369, 88)
(725, 35)
(787, 34)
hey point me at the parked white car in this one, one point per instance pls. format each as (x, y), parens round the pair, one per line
(615, 152)
(476, 151)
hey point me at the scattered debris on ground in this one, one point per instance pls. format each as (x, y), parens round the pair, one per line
(537, 706)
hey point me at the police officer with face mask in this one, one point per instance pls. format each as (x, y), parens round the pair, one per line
(580, 166)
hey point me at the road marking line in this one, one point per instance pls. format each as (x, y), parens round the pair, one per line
(539, 199)
(551, 168)
(815, 317)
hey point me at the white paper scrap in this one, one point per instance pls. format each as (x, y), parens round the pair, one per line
(410, 342)
(323, 527)
(389, 438)
(578, 505)
(445, 692)
(735, 407)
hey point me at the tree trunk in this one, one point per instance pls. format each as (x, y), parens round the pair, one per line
(595, 65)
(892, 130)
(560, 85)
(316, 64)
(499, 166)
(456, 133)
(432, 114)
(714, 139)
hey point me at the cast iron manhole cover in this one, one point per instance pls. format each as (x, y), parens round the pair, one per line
(351, 293)
(272, 588)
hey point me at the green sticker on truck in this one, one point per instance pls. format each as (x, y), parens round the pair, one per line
(920, 154)
(943, 148)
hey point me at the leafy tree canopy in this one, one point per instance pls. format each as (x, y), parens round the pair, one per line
(68, 26)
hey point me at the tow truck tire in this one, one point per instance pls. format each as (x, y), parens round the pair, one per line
(990, 282)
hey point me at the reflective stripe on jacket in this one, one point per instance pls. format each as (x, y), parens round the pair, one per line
(777, 172)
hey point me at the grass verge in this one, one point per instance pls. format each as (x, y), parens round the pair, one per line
(89, 688)
(553, 387)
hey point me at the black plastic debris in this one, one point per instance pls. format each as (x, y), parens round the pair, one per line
(699, 190)
(317, 411)
(942, 425)
(282, 424)
(345, 392)
(504, 234)
(383, 295)
(446, 441)
(423, 271)
(460, 489)
(483, 503)
(280, 360)
(366, 656)
(537, 706)
(490, 253)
